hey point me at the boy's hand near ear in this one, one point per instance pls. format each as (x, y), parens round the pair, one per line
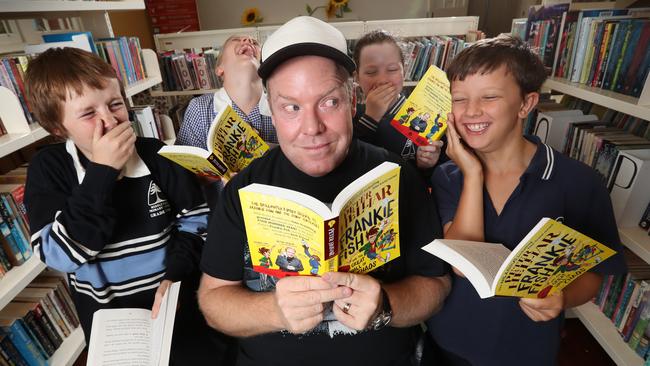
(113, 148)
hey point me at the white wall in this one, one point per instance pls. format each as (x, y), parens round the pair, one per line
(220, 14)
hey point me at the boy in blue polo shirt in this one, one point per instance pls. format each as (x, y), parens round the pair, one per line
(498, 185)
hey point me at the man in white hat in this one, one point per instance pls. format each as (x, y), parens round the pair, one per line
(339, 318)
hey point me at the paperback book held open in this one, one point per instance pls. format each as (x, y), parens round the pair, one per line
(291, 233)
(232, 145)
(423, 116)
(545, 261)
(130, 337)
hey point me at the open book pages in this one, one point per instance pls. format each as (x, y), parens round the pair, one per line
(291, 233)
(130, 337)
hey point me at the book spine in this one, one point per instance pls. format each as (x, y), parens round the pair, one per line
(38, 335)
(13, 355)
(624, 288)
(64, 292)
(624, 306)
(54, 314)
(21, 241)
(61, 309)
(620, 322)
(47, 325)
(27, 349)
(14, 215)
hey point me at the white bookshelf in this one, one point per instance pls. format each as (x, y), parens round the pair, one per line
(18, 278)
(152, 68)
(603, 330)
(351, 30)
(19, 132)
(69, 350)
(637, 107)
(637, 240)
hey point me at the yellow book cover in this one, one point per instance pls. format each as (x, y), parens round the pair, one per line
(291, 233)
(549, 258)
(423, 116)
(232, 145)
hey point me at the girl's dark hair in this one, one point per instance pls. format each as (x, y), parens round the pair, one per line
(376, 37)
(489, 54)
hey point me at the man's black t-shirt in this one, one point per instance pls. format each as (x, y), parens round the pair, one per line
(226, 257)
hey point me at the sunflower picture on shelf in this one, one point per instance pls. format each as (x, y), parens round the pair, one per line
(334, 8)
(251, 16)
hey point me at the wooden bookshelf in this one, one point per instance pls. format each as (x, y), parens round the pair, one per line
(603, 330)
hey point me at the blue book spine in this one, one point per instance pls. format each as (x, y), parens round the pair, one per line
(24, 344)
(14, 217)
(15, 248)
(126, 58)
(637, 25)
(21, 242)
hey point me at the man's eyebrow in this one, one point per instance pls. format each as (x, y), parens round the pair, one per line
(330, 91)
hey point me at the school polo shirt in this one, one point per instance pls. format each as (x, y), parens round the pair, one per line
(495, 331)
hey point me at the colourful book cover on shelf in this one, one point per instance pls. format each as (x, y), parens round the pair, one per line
(423, 116)
(291, 233)
(63, 37)
(545, 261)
(232, 145)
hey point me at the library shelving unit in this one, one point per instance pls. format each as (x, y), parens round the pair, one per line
(633, 238)
(90, 16)
(351, 30)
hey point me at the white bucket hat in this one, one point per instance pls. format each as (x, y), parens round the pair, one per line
(304, 36)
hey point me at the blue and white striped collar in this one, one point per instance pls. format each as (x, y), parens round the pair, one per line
(543, 162)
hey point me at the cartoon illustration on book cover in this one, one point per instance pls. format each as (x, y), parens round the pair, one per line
(551, 259)
(423, 116)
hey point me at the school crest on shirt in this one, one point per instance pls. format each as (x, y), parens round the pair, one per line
(158, 205)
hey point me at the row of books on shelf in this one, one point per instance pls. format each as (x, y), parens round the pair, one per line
(593, 139)
(35, 324)
(625, 300)
(146, 122)
(189, 69)
(422, 52)
(603, 48)
(15, 246)
(12, 76)
(124, 54)
(194, 69)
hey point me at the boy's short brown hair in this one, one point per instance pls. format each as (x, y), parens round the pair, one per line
(489, 54)
(56, 73)
(375, 37)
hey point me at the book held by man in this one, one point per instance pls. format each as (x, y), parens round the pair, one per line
(545, 261)
(291, 233)
(232, 145)
(130, 336)
(423, 116)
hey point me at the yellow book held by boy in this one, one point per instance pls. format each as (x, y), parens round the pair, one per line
(545, 261)
(423, 116)
(232, 145)
(291, 233)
